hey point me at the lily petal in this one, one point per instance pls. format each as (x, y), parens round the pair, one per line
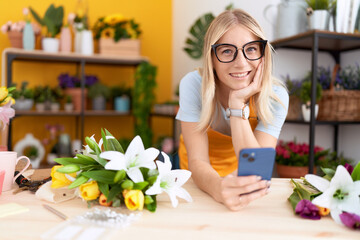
(320, 183)
(335, 214)
(135, 175)
(325, 199)
(155, 188)
(173, 199)
(342, 177)
(147, 158)
(182, 193)
(117, 160)
(181, 176)
(135, 147)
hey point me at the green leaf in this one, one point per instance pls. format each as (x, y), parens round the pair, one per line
(113, 144)
(103, 176)
(93, 145)
(152, 179)
(105, 142)
(152, 206)
(119, 176)
(37, 17)
(328, 172)
(85, 159)
(78, 181)
(104, 188)
(67, 161)
(294, 199)
(116, 202)
(127, 184)
(148, 199)
(71, 168)
(140, 185)
(114, 191)
(355, 175)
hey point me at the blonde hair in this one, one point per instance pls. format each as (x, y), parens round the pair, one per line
(220, 25)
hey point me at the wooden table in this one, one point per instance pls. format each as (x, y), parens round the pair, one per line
(270, 217)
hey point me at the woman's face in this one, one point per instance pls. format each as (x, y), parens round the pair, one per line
(239, 73)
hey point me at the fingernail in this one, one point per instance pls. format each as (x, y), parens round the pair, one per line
(268, 183)
(268, 190)
(258, 178)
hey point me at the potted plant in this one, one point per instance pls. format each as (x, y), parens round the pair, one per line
(305, 97)
(56, 96)
(121, 96)
(117, 35)
(40, 103)
(318, 13)
(53, 20)
(24, 97)
(292, 158)
(69, 106)
(99, 93)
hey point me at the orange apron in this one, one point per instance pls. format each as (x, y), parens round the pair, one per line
(221, 151)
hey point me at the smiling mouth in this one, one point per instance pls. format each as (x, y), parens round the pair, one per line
(240, 75)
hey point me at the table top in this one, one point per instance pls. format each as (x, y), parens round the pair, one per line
(270, 217)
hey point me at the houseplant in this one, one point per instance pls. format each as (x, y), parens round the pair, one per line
(122, 97)
(52, 20)
(117, 35)
(24, 97)
(305, 97)
(318, 13)
(292, 158)
(99, 93)
(68, 106)
(293, 86)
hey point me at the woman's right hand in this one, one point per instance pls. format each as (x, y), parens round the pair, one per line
(237, 192)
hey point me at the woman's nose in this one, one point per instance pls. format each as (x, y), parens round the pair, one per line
(240, 58)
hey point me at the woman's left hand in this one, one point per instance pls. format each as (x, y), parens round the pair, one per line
(242, 95)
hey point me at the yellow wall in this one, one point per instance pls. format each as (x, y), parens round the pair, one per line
(154, 18)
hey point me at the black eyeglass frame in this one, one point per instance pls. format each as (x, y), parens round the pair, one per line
(264, 42)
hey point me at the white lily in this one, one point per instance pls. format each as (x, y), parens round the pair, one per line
(135, 157)
(170, 181)
(340, 194)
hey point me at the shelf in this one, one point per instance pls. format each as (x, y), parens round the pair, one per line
(39, 55)
(74, 113)
(323, 122)
(106, 113)
(328, 41)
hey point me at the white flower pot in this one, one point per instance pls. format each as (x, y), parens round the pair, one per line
(68, 107)
(40, 107)
(55, 107)
(50, 45)
(87, 43)
(318, 20)
(306, 112)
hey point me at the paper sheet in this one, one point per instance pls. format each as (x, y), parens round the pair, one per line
(11, 209)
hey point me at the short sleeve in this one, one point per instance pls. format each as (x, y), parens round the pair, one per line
(279, 111)
(190, 98)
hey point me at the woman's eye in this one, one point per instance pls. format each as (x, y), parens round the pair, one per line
(251, 49)
(227, 51)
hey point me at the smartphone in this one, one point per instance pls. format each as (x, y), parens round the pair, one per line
(256, 161)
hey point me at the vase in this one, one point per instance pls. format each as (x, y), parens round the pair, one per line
(99, 103)
(87, 43)
(122, 104)
(75, 94)
(28, 37)
(306, 112)
(124, 47)
(16, 39)
(50, 45)
(77, 42)
(285, 171)
(65, 39)
(318, 20)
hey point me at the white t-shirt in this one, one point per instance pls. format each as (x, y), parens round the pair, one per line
(190, 107)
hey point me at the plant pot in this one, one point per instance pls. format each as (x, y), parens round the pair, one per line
(306, 112)
(318, 20)
(16, 39)
(122, 104)
(99, 103)
(75, 94)
(124, 47)
(55, 107)
(68, 107)
(285, 171)
(50, 45)
(40, 107)
(24, 104)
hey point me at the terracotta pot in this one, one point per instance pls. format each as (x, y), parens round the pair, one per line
(16, 39)
(75, 94)
(124, 47)
(285, 171)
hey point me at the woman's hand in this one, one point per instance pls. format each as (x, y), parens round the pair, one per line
(237, 192)
(242, 95)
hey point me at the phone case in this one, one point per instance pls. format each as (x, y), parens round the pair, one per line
(256, 161)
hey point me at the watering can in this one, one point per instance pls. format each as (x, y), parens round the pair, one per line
(291, 17)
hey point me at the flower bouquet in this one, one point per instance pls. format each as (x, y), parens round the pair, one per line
(337, 193)
(104, 174)
(6, 100)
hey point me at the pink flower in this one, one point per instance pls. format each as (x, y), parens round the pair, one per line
(6, 112)
(25, 11)
(286, 154)
(4, 28)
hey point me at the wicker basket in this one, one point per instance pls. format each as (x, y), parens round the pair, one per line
(294, 112)
(343, 105)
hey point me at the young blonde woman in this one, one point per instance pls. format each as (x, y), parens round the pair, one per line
(232, 103)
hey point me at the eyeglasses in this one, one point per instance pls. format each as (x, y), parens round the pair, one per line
(252, 51)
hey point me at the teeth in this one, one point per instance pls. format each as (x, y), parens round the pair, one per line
(239, 74)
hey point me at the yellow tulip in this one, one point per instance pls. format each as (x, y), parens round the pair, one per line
(89, 191)
(3, 93)
(59, 179)
(7, 100)
(134, 199)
